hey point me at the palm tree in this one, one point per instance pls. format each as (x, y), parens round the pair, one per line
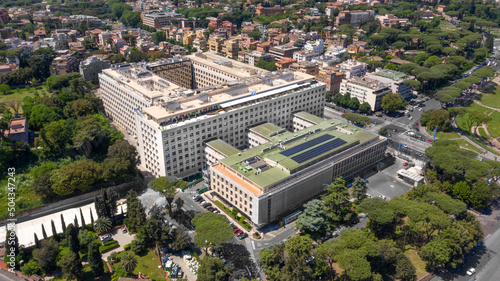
(102, 224)
(128, 262)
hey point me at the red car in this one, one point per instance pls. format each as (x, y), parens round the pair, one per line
(238, 232)
(405, 164)
(429, 140)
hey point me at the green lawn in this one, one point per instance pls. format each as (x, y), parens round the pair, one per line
(482, 133)
(147, 264)
(444, 25)
(491, 97)
(415, 259)
(462, 120)
(444, 135)
(494, 125)
(22, 93)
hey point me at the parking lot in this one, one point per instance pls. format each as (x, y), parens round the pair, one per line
(122, 239)
(386, 181)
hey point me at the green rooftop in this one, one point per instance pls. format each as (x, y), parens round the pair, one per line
(266, 129)
(223, 147)
(309, 117)
(391, 74)
(270, 153)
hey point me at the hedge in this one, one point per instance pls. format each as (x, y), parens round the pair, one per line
(108, 246)
(234, 215)
(127, 247)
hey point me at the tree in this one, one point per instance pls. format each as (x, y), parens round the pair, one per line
(106, 203)
(383, 131)
(12, 248)
(82, 219)
(44, 233)
(179, 203)
(102, 224)
(37, 242)
(159, 36)
(94, 258)
(365, 108)
(63, 224)
(128, 262)
(353, 104)
(392, 102)
(432, 61)
(480, 195)
(136, 216)
(359, 188)
(72, 238)
(298, 250)
(42, 185)
(30, 268)
(72, 266)
(181, 240)
(436, 117)
(255, 34)
(46, 255)
(14, 104)
(357, 119)
(118, 58)
(213, 268)
(79, 175)
(137, 56)
(85, 237)
(41, 115)
(337, 201)
(212, 230)
(54, 231)
(131, 18)
(119, 8)
(314, 220)
(4, 88)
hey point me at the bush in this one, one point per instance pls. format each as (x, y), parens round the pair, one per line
(127, 247)
(108, 246)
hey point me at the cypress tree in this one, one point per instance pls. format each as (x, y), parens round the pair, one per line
(76, 223)
(37, 242)
(91, 217)
(94, 258)
(63, 224)
(44, 233)
(54, 231)
(9, 245)
(72, 238)
(82, 219)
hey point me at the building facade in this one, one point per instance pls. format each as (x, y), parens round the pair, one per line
(366, 90)
(91, 67)
(395, 79)
(177, 69)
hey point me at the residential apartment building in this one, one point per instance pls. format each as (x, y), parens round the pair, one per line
(303, 56)
(18, 130)
(353, 68)
(332, 77)
(254, 57)
(306, 67)
(178, 70)
(285, 63)
(92, 66)
(231, 48)
(392, 20)
(64, 64)
(317, 46)
(215, 43)
(395, 79)
(200, 44)
(353, 17)
(268, 182)
(283, 51)
(366, 90)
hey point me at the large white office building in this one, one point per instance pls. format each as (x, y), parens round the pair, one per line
(172, 123)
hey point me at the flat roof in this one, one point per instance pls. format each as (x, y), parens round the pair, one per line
(266, 129)
(279, 166)
(309, 117)
(222, 147)
(239, 69)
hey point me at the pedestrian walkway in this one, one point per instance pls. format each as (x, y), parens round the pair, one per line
(492, 108)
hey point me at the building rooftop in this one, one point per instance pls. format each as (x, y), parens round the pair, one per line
(17, 126)
(222, 147)
(236, 68)
(309, 117)
(391, 74)
(367, 82)
(266, 130)
(287, 153)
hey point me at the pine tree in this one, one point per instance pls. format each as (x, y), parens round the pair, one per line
(91, 217)
(82, 219)
(54, 231)
(94, 258)
(37, 242)
(63, 224)
(44, 233)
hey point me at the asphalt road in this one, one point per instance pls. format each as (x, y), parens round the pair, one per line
(385, 182)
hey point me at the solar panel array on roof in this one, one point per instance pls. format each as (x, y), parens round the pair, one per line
(306, 145)
(305, 156)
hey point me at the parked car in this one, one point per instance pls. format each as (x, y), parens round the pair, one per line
(238, 232)
(471, 271)
(382, 196)
(210, 208)
(124, 230)
(242, 236)
(405, 164)
(203, 202)
(106, 238)
(233, 226)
